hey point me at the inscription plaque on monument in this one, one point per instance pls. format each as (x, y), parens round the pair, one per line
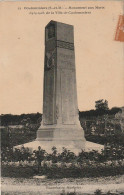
(60, 125)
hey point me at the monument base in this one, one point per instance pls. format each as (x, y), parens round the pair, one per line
(59, 136)
(70, 137)
(47, 146)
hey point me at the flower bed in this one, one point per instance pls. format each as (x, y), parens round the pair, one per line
(22, 163)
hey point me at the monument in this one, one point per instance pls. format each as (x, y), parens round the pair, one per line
(60, 126)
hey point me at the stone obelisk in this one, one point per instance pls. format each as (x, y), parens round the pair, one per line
(60, 126)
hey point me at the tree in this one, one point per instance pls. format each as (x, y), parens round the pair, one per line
(101, 105)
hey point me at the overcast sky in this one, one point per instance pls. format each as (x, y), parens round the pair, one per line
(99, 58)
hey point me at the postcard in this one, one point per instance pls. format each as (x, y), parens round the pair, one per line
(62, 97)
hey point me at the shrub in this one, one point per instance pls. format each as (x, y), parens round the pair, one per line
(98, 192)
(65, 164)
(68, 193)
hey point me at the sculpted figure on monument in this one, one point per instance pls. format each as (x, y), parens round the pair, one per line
(50, 61)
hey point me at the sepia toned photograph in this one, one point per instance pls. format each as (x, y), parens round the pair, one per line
(62, 98)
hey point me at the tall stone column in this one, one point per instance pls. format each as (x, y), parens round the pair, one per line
(60, 125)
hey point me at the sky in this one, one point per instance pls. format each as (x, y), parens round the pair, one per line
(99, 58)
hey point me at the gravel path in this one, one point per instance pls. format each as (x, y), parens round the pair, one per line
(14, 186)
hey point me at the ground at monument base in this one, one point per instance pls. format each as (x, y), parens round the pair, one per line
(89, 146)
